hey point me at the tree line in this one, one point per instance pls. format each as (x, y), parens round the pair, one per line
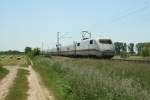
(31, 52)
(11, 52)
(124, 49)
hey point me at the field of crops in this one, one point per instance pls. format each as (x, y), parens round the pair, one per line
(13, 60)
(94, 79)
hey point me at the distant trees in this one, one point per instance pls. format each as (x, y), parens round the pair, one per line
(36, 51)
(11, 52)
(32, 52)
(131, 48)
(123, 49)
(118, 47)
(139, 47)
(143, 49)
(28, 50)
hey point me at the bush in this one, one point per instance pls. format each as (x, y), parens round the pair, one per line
(145, 52)
(124, 54)
(32, 52)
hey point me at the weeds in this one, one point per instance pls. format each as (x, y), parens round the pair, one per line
(87, 79)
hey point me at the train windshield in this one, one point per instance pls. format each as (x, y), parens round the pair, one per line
(105, 41)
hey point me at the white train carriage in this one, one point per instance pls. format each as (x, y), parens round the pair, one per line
(89, 47)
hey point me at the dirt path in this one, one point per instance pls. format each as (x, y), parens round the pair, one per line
(37, 91)
(6, 82)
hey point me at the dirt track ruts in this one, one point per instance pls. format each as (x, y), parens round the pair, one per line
(37, 91)
(7, 81)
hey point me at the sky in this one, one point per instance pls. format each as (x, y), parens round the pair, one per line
(36, 22)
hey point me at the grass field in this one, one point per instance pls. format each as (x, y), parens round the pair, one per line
(3, 72)
(13, 60)
(88, 79)
(20, 87)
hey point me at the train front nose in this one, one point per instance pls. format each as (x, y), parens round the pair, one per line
(107, 50)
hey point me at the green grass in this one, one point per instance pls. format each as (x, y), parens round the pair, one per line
(20, 87)
(88, 79)
(3, 72)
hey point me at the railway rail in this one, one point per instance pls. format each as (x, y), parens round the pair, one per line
(134, 61)
(121, 60)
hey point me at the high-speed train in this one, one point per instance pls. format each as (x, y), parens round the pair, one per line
(101, 48)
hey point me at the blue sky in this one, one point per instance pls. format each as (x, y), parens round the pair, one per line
(31, 22)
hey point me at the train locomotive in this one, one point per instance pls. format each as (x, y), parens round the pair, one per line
(101, 48)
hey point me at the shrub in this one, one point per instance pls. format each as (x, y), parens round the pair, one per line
(124, 54)
(145, 52)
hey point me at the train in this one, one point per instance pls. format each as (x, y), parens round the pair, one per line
(100, 48)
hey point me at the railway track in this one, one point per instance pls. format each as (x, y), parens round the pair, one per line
(120, 60)
(134, 61)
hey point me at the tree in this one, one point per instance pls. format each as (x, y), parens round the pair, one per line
(124, 47)
(144, 52)
(118, 47)
(36, 51)
(143, 49)
(124, 53)
(131, 48)
(32, 52)
(28, 50)
(139, 47)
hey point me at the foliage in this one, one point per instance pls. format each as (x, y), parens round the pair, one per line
(143, 49)
(145, 52)
(32, 52)
(124, 54)
(3, 72)
(87, 79)
(121, 49)
(36, 51)
(118, 47)
(28, 50)
(131, 48)
(124, 47)
(10, 52)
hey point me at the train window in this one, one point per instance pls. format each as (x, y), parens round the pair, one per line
(91, 41)
(78, 44)
(105, 41)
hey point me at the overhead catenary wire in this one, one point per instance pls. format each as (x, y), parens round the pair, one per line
(130, 13)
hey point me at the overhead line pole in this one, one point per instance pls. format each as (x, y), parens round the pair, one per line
(58, 44)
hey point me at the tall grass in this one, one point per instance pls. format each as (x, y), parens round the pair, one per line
(87, 79)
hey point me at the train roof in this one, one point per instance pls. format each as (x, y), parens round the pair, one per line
(86, 40)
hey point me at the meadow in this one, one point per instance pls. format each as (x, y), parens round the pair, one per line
(13, 60)
(94, 79)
